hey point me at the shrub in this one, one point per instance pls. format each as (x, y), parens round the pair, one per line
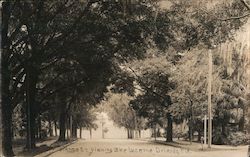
(237, 138)
(219, 138)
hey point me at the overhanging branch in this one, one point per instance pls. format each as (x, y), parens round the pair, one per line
(245, 4)
(236, 17)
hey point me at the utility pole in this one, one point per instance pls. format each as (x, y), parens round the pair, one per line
(210, 63)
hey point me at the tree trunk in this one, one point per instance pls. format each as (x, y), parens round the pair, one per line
(128, 133)
(67, 128)
(190, 132)
(155, 132)
(139, 133)
(80, 132)
(191, 122)
(242, 122)
(37, 133)
(39, 127)
(70, 126)
(50, 128)
(158, 132)
(6, 107)
(6, 126)
(223, 129)
(30, 82)
(199, 135)
(169, 128)
(31, 131)
(67, 132)
(74, 129)
(62, 127)
(90, 133)
(55, 127)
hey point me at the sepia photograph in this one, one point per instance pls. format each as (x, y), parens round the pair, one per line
(125, 78)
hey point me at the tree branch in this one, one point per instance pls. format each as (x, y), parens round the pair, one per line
(59, 89)
(245, 4)
(236, 17)
(144, 85)
(51, 81)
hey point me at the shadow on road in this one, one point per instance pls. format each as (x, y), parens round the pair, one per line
(58, 147)
(45, 149)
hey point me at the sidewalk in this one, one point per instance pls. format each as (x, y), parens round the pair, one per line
(55, 147)
(195, 146)
(43, 147)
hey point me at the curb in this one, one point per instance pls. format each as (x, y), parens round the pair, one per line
(54, 150)
(198, 149)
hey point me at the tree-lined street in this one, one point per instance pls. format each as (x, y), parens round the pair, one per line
(76, 67)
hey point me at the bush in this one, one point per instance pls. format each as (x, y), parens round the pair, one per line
(237, 138)
(178, 134)
(219, 138)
